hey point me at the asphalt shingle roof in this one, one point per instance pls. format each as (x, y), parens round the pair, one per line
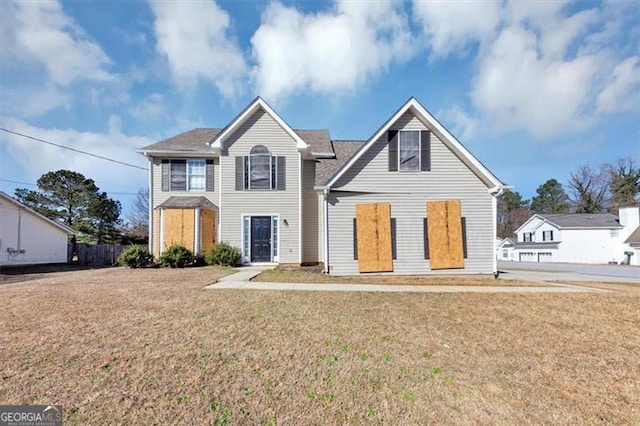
(634, 238)
(583, 220)
(187, 202)
(197, 140)
(344, 150)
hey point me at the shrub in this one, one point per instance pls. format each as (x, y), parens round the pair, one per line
(223, 254)
(135, 257)
(199, 260)
(176, 256)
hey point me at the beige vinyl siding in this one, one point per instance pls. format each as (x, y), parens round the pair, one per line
(158, 196)
(310, 235)
(261, 129)
(369, 181)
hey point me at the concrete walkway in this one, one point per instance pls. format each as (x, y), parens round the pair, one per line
(242, 280)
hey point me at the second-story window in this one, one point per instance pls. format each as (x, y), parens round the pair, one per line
(547, 235)
(527, 237)
(187, 175)
(409, 149)
(260, 168)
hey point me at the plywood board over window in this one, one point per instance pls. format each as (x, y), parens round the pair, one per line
(208, 229)
(374, 237)
(445, 243)
(179, 226)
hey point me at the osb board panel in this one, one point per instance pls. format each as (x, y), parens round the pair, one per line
(445, 234)
(179, 227)
(207, 229)
(374, 237)
(156, 233)
(385, 255)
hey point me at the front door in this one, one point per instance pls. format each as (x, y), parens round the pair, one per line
(261, 238)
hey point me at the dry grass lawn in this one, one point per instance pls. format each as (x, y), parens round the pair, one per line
(312, 275)
(123, 346)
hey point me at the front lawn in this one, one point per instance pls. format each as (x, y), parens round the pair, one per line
(153, 347)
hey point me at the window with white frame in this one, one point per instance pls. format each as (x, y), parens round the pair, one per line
(260, 167)
(615, 233)
(184, 175)
(527, 237)
(547, 235)
(409, 150)
(505, 253)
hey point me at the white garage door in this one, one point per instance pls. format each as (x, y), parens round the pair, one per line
(528, 257)
(544, 257)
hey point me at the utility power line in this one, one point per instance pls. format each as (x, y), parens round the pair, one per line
(73, 149)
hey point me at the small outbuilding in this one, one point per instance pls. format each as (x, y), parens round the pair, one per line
(27, 237)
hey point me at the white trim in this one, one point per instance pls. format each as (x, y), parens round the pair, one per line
(247, 256)
(494, 213)
(196, 234)
(161, 247)
(247, 113)
(325, 229)
(300, 240)
(150, 206)
(449, 139)
(219, 215)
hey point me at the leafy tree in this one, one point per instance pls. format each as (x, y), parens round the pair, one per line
(104, 215)
(71, 198)
(513, 211)
(589, 186)
(138, 218)
(624, 182)
(551, 198)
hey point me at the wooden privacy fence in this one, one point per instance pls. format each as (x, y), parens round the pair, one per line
(98, 254)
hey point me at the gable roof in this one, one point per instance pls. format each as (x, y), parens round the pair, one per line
(447, 138)
(17, 203)
(575, 221)
(258, 103)
(583, 220)
(343, 150)
(634, 238)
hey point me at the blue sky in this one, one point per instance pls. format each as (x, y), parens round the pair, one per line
(533, 89)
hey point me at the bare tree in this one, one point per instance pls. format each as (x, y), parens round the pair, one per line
(138, 217)
(624, 182)
(512, 211)
(589, 189)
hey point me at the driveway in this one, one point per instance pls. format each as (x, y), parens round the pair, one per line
(569, 272)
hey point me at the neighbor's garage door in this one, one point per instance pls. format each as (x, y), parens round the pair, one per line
(527, 257)
(544, 257)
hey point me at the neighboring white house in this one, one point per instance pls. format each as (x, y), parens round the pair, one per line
(27, 237)
(505, 249)
(577, 238)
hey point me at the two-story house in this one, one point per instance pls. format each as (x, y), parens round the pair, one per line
(577, 238)
(410, 200)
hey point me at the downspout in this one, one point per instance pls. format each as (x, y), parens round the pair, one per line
(494, 207)
(150, 230)
(19, 228)
(325, 222)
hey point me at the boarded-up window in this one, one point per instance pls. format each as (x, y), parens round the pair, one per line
(179, 227)
(393, 239)
(444, 234)
(425, 234)
(207, 230)
(374, 241)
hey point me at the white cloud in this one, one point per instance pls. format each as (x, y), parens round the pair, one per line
(34, 158)
(450, 26)
(327, 52)
(153, 107)
(39, 33)
(542, 71)
(194, 38)
(623, 91)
